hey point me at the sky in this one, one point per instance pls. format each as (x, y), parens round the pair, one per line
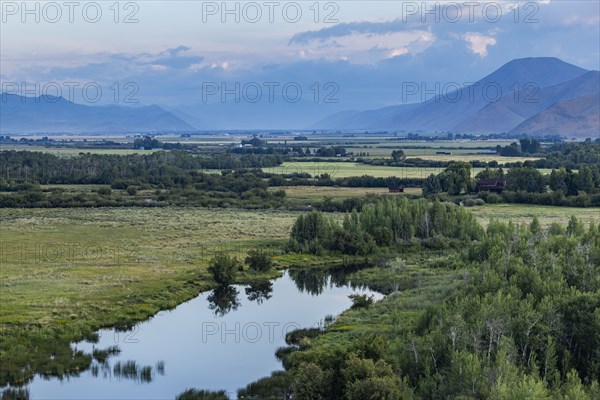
(355, 54)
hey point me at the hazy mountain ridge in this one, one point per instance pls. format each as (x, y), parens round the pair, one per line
(514, 108)
(580, 115)
(529, 86)
(50, 114)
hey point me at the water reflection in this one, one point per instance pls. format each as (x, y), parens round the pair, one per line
(223, 299)
(259, 291)
(246, 330)
(310, 280)
(315, 280)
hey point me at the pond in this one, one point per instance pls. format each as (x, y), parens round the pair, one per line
(220, 340)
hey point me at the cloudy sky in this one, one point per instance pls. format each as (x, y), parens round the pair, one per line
(172, 49)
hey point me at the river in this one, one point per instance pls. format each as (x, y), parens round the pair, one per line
(220, 340)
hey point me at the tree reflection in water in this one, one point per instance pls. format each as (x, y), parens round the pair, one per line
(223, 299)
(315, 280)
(259, 291)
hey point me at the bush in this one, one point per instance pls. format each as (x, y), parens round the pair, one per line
(473, 202)
(195, 394)
(361, 300)
(259, 261)
(223, 269)
(104, 191)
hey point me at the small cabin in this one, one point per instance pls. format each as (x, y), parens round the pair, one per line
(396, 188)
(491, 185)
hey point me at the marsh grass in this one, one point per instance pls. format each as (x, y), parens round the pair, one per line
(115, 267)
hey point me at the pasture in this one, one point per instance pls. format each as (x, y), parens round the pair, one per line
(347, 169)
(96, 266)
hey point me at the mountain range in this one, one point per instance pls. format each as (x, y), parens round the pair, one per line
(49, 114)
(534, 96)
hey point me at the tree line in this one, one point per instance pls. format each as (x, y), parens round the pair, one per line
(524, 323)
(523, 185)
(383, 223)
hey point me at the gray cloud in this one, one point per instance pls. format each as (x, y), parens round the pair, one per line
(350, 28)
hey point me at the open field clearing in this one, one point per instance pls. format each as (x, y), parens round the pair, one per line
(312, 193)
(523, 213)
(473, 157)
(59, 151)
(97, 258)
(74, 188)
(62, 266)
(346, 169)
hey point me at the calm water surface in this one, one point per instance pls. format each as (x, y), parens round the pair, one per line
(219, 341)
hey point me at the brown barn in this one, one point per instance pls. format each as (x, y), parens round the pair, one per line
(396, 188)
(491, 185)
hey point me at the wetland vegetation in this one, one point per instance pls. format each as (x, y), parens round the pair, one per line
(96, 241)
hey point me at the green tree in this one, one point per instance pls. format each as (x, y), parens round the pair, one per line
(259, 260)
(398, 155)
(558, 180)
(311, 382)
(526, 179)
(530, 146)
(224, 268)
(369, 380)
(195, 394)
(585, 180)
(535, 226)
(431, 186)
(456, 178)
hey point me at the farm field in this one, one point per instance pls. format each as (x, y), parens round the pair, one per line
(68, 152)
(312, 193)
(523, 213)
(472, 157)
(346, 169)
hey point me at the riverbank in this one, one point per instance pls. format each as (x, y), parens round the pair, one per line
(66, 273)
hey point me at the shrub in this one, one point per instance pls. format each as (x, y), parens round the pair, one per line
(195, 394)
(259, 261)
(361, 300)
(223, 269)
(104, 191)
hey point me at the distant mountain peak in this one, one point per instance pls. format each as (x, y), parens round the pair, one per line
(476, 111)
(49, 114)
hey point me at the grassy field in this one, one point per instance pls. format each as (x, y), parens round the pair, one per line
(523, 213)
(312, 193)
(97, 258)
(64, 265)
(73, 151)
(346, 169)
(65, 273)
(473, 157)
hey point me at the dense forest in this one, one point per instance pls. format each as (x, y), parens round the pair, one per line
(179, 177)
(383, 223)
(563, 187)
(523, 324)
